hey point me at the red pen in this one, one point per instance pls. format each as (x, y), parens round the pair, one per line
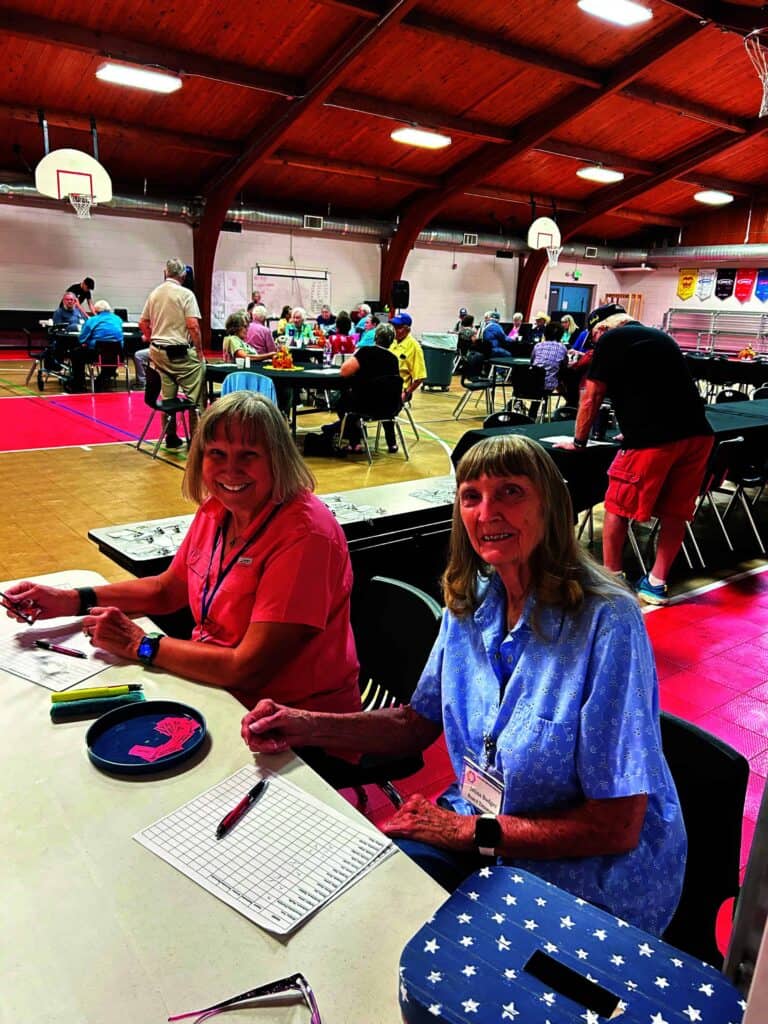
(236, 813)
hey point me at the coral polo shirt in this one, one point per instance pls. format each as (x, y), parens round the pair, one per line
(296, 570)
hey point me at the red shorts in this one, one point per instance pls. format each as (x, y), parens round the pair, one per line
(663, 481)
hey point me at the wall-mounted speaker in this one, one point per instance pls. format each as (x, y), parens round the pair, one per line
(401, 294)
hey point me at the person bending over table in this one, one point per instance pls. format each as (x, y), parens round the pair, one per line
(264, 568)
(543, 681)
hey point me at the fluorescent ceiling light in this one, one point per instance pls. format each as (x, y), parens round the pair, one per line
(620, 12)
(713, 197)
(139, 78)
(598, 173)
(421, 137)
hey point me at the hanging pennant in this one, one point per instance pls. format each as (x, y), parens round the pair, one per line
(745, 284)
(724, 284)
(686, 283)
(761, 288)
(705, 285)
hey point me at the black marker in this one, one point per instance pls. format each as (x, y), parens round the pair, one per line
(236, 814)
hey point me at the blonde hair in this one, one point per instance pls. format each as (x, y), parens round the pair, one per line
(568, 320)
(259, 422)
(561, 571)
(102, 306)
(617, 320)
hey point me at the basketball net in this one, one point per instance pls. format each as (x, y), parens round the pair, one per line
(757, 56)
(553, 254)
(81, 204)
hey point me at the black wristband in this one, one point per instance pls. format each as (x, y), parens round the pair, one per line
(579, 443)
(88, 599)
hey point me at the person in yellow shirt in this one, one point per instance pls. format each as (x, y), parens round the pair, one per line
(409, 355)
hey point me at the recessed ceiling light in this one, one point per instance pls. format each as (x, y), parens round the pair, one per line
(713, 197)
(139, 78)
(598, 173)
(421, 137)
(620, 12)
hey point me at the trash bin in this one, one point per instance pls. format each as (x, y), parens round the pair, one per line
(439, 357)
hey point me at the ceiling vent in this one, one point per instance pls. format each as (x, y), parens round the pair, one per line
(470, 238)
(590, 252)
(313, 223)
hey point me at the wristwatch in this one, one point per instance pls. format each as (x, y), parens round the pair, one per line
(487, 834)
(148, 647)
(579, 442)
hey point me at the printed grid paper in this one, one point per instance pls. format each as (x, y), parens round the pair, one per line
(285, 859)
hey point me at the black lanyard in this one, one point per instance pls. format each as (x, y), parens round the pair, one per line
(209, 594)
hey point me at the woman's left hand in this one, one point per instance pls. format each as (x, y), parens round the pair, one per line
(112, 630)
(419, 819)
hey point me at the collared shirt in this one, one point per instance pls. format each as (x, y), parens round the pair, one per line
(259, 337)
(410, 358)
(298, 571)
(551, 355)
(71, 317)
(568, 715)
(167, 309)
(105, 326)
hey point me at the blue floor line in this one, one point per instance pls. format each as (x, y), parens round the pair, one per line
(93, 419)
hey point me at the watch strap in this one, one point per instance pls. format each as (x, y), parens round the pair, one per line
(87, 598)
(148, 647)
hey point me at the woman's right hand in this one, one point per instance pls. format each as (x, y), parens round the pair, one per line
(271, 728)
(38, 602)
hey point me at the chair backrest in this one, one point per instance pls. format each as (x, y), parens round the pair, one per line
(726, 455)
(245, 381)
(109, 353)
(392, 658)
(528, 381)
(380, 398)
(729, 395)
(711, 780)
(506, 419)
(761, 392)
(152, 387)
(564, 412)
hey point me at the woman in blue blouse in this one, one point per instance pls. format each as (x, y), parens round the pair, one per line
(543, 682)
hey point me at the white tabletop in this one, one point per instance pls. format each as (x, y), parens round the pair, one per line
(97, 929)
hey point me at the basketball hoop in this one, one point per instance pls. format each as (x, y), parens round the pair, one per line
(81, 204)
(553, 254)
(757, 56)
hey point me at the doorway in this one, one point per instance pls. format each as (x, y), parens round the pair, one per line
(575, 299)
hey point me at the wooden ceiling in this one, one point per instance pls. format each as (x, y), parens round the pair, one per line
(291, 106)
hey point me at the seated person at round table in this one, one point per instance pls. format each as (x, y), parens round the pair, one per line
(67, 317)
(104, 325)
(368, 335)
(370, 366)
(238, 327)
(264, 568)
(551, 354)
(341, 337)
(68, 314)
(543, 682)
(297, 330)
(285, 316)
(325, 317)
(493, 333)
(515, 332)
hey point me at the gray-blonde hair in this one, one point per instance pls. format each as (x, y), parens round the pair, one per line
(617, 320)
(384, 335)
(175, 268)
(102, 306)
(260, 422)
(561, 571)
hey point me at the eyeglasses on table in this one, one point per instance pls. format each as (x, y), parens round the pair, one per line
(296, 984)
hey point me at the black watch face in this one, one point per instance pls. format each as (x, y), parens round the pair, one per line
(487, 833)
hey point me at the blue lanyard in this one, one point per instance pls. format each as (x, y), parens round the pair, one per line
(209, 593)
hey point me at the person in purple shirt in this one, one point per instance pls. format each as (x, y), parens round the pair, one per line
(258, 335)
(543, 683)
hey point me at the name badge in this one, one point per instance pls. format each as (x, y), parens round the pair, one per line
(245, 561)
(481, 788)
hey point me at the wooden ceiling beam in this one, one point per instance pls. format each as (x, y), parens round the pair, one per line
(697, 111)
(134, 133)
(102, 44)
(732, 17)
(311, 162)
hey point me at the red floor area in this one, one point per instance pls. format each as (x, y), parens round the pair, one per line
(712, 661)
(64, 420)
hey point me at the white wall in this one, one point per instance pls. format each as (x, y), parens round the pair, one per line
(42, 251)
(603, 278)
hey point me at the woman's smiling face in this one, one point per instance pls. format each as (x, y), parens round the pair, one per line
(503, 517)
(237, 471)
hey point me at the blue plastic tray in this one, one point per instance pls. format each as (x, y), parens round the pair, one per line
(112, 737)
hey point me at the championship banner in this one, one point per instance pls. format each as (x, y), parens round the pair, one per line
(761, 288)
(705, 285)
(745, 284)
(686, 283)
(724, 284)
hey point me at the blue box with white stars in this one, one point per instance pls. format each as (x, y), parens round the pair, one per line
(471, 963)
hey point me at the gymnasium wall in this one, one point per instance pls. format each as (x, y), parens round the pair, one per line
(660, 291)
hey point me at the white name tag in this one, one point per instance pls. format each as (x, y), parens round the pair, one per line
(245, 561)
(481, 788)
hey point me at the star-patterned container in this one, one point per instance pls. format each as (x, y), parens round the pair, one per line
(468, 963)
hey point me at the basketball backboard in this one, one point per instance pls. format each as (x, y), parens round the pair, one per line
(66, 172)
(543, 234)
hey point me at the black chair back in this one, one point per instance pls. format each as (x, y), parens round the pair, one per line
(761, 392)
(152, 387)
(506, 419)
(528, 381)
(564, 412)
(380, 398)
(711, 779)
(729, 395)
(726, 457)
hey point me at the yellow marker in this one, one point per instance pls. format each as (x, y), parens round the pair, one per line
(95, 691)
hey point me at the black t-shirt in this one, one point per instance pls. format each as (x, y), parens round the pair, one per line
(83, 294)
(653, 394)
(375, 362)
